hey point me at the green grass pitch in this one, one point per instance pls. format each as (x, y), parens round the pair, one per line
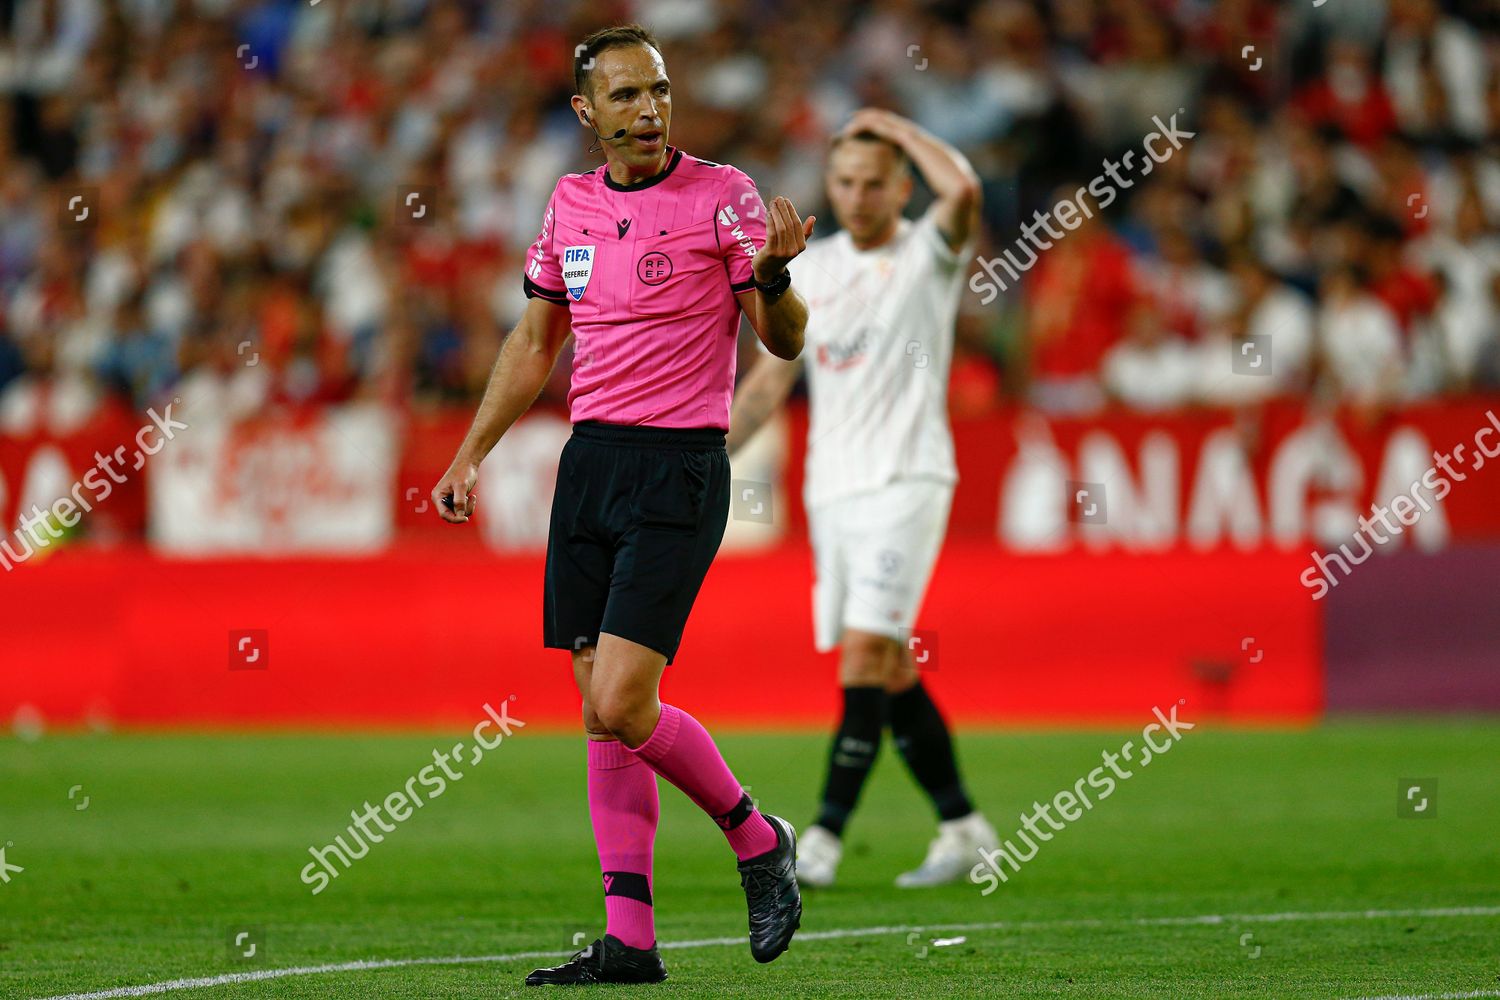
(1286, 843)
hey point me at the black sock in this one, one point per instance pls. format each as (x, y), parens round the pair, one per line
(852, 755)
(922, 737)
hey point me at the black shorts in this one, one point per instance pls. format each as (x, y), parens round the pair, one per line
(637, 518)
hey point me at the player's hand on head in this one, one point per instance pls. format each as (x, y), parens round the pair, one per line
(881, 122)
(786, 236)
(454, 494)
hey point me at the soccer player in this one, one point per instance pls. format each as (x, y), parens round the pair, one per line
(882, 295)
(650, 259)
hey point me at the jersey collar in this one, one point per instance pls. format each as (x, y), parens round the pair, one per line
(674, 155)
(903, 227)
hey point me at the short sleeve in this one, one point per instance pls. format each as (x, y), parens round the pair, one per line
(544, 278)
(740, 226)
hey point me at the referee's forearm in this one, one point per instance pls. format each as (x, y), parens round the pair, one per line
(784, 321)
(516, 381)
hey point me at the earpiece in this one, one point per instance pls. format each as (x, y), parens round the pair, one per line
(592, 128)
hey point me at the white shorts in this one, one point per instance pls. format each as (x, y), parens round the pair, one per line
(874, 553)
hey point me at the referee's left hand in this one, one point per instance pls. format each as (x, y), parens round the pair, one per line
(786, 237)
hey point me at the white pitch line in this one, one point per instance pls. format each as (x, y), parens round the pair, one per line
(1440, 996)
(1209, 919)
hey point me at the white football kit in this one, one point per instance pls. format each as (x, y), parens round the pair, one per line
(880, 469)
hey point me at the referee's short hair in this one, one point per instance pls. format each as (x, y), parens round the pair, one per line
(586, 52)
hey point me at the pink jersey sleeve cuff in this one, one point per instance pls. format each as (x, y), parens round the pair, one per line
(535, 291)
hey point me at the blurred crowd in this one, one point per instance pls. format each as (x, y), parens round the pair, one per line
(266, 202)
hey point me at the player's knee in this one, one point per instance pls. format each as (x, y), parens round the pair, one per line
(620, 711)
(866, 660)
(902, 676)
(610, 710)
(592, 724)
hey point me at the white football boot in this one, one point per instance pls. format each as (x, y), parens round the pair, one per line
(952, 853)
(818, 856)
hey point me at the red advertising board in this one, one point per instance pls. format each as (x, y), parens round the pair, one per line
(97, 464)
(424, 636)
(1281, 476)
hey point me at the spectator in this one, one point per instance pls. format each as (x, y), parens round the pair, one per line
(1080, 294)
(1359, 341)
(1152, 369)
(1467, 266)
(1276, 321)
(140, 360)
(1405, 289)
(1436, 72)
(1348, 97)
(1190, 294)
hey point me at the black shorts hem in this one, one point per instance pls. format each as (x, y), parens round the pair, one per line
(655, 645)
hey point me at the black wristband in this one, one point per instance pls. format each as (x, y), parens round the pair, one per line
(777, 288)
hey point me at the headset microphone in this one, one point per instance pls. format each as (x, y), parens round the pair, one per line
(614, 138)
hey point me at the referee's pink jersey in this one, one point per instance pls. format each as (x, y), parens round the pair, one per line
(649, 273)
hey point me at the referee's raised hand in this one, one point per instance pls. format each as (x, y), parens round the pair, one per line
(786, 237)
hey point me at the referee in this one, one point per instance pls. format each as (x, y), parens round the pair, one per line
(649, 260)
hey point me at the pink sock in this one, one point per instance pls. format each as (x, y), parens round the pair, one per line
(624, 807)
(681, 751)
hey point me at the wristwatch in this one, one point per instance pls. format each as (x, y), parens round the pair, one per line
(777, 288)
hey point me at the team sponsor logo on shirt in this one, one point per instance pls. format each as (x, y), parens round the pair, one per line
(577, 264)
(730, 219)
(840, 356)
